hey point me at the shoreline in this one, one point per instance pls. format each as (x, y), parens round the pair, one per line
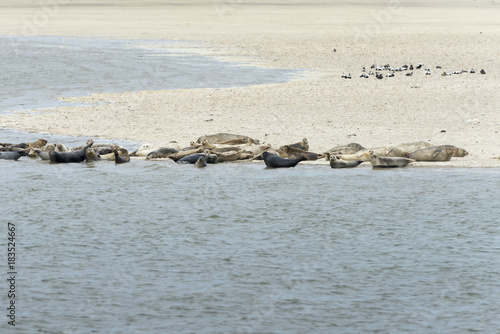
(326, 109)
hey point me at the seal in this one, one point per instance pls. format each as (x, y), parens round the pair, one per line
(303, 145)
(239, 141)
(143, 150)
(294, 153)
(202, 161)
(66, 157)
(389, 162)
(162, 153)
(350, 148)
(226, 157)
(432, 154)
(91, 155)
(11, 155)
(181, 154)
(193, 158)
(121, 155)
(457, 151)
(221, 137)
(362, 155)
(409, 148)
(275, 161)
(339, 163)
(61, 148)
(390, 151)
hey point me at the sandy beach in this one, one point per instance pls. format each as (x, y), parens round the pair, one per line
(324, 38)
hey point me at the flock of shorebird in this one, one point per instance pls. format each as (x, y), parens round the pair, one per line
(226, 147)
(405, 68)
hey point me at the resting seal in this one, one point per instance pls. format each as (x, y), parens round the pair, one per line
(162, 153)
(91, 155)
(275, 161)
(65, 157)
(339, 163)
(350, 148)
(362, 155)
(121, 155)
(432, 154)
(11, 155)
(389, 162)
(222, 137)
(457, 151)
(409, 148)
(303, 145)
(193, 158)
(143, 150)
(294, 153)
(202, 161)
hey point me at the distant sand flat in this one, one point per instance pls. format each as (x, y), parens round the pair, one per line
(323, 107)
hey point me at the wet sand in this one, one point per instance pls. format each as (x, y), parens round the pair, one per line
(320, 105)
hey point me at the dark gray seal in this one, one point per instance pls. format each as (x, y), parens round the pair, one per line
(193, 158)
(67, 157)
(275, 161)
(11, 155)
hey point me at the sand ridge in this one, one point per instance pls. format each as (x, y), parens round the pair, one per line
(322, 106)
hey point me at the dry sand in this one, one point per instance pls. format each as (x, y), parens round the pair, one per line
(321, 106)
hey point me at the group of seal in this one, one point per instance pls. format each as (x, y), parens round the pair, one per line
(226, 147)
(353, 154)
(60, 153)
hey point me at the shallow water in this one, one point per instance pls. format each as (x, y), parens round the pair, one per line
(36, 70)
(153, 246)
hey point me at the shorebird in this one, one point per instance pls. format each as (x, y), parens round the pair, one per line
(482, 72)
(428, 73)
(379, 75)
(409, 74)
(472, 71)
(411, 67)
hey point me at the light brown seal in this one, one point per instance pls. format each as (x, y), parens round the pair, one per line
(457, 151)
(362, 155)
(432, 154)
(339, 163)
(409, 148)
(389, 162)
(91, 155)
(303, 145)
(350, 148)
(295, 153)
(121, 155)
